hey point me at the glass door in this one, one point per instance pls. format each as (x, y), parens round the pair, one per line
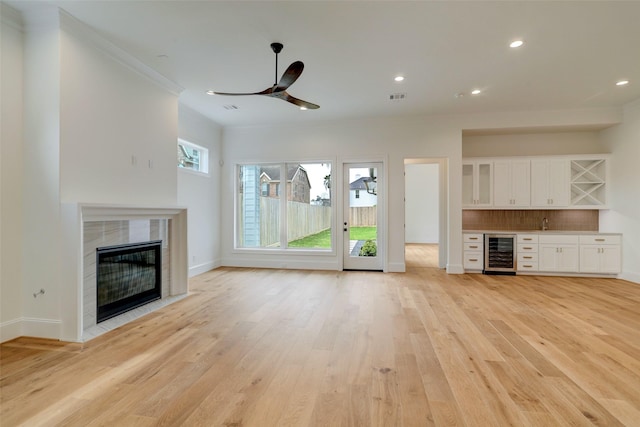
(362, 218)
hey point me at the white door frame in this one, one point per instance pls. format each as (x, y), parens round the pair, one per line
(376, 263)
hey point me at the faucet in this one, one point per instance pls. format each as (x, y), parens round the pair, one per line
(545, 224)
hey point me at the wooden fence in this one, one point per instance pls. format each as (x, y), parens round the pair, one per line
(304, 220)
(363, 216)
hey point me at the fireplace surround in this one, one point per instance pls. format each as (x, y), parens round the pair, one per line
(91, 226)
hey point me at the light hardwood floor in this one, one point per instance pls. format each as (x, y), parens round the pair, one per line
(255, 347)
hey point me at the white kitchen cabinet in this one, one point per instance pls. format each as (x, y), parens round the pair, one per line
(558, 253)
(550, 183)
(511, 183)
(477, 182)
(473, 256)
(527, 252)
(600, 254)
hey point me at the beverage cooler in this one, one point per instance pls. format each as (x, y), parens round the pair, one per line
(499, 254)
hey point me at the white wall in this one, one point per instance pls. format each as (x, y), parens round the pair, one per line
(532, 144)
(118, 131)
(201, 193)
(624, 216)
(390, 140)
(421, 191)
(84, 117)
(11, 164)
(41, 176)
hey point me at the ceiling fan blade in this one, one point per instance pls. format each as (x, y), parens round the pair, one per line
(290, 75)
(264, 92)
(299, 102)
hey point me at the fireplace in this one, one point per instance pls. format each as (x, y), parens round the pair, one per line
(128, 276)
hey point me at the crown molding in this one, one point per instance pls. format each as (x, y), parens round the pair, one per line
(11, 17)
(84, 32)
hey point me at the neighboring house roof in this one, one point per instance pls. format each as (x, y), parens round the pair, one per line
(273, 173)
(358, 184)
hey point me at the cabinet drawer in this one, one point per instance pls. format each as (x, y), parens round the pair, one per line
(473, 261)
(527, 248)
(527, 258)
(562, 239)
(473, 237)
(473, 246)
(527, 238)
(599, 239)
(527, 266)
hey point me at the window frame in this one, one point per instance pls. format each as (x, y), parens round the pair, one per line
(203, 164)
(282, 196)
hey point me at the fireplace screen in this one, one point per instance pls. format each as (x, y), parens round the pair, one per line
(128, 276)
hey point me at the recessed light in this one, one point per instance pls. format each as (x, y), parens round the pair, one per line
(476, 92)
(210, 92)
(398, 78)
(516, 43)
(622, 83)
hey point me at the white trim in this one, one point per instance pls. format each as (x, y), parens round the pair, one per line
(630, 276)
(396, 267)
(10, 329)
(84, 32)
(302, 264)
(455, 269)
(203, 268)
(11, 17)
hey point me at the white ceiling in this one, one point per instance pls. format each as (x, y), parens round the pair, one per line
(573, 55)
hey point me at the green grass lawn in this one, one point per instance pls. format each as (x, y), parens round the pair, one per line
(323, 238)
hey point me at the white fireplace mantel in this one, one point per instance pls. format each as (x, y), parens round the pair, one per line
(74, 216)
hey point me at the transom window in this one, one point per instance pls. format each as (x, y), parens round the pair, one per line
(192, 156)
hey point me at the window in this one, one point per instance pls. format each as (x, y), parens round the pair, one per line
(299, 218)
(357, 194)
(192, 156)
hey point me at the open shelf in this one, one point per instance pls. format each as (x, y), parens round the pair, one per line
(588, 182)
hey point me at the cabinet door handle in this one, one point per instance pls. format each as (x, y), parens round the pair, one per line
(473, 238)
(526, 248)
(473, 259)
(527, 257)
(599, 240)
(473, 247)
(528, 266)
(527, 238)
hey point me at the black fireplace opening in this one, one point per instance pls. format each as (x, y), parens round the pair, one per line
(128, 276)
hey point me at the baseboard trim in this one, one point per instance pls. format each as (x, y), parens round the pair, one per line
(396, 267)
(10, 329)
(203, 268)
(30, 327)
(630, 276)
(288, 264)
(455, 269)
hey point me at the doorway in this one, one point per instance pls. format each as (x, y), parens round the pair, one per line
(425, 213)
(363, 219)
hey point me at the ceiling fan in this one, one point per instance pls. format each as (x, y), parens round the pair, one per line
(279, 89)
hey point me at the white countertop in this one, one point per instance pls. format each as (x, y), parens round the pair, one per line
(539, 232)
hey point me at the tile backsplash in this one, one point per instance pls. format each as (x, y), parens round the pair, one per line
(514, 220)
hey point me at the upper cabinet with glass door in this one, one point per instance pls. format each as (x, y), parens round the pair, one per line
(477, 183)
